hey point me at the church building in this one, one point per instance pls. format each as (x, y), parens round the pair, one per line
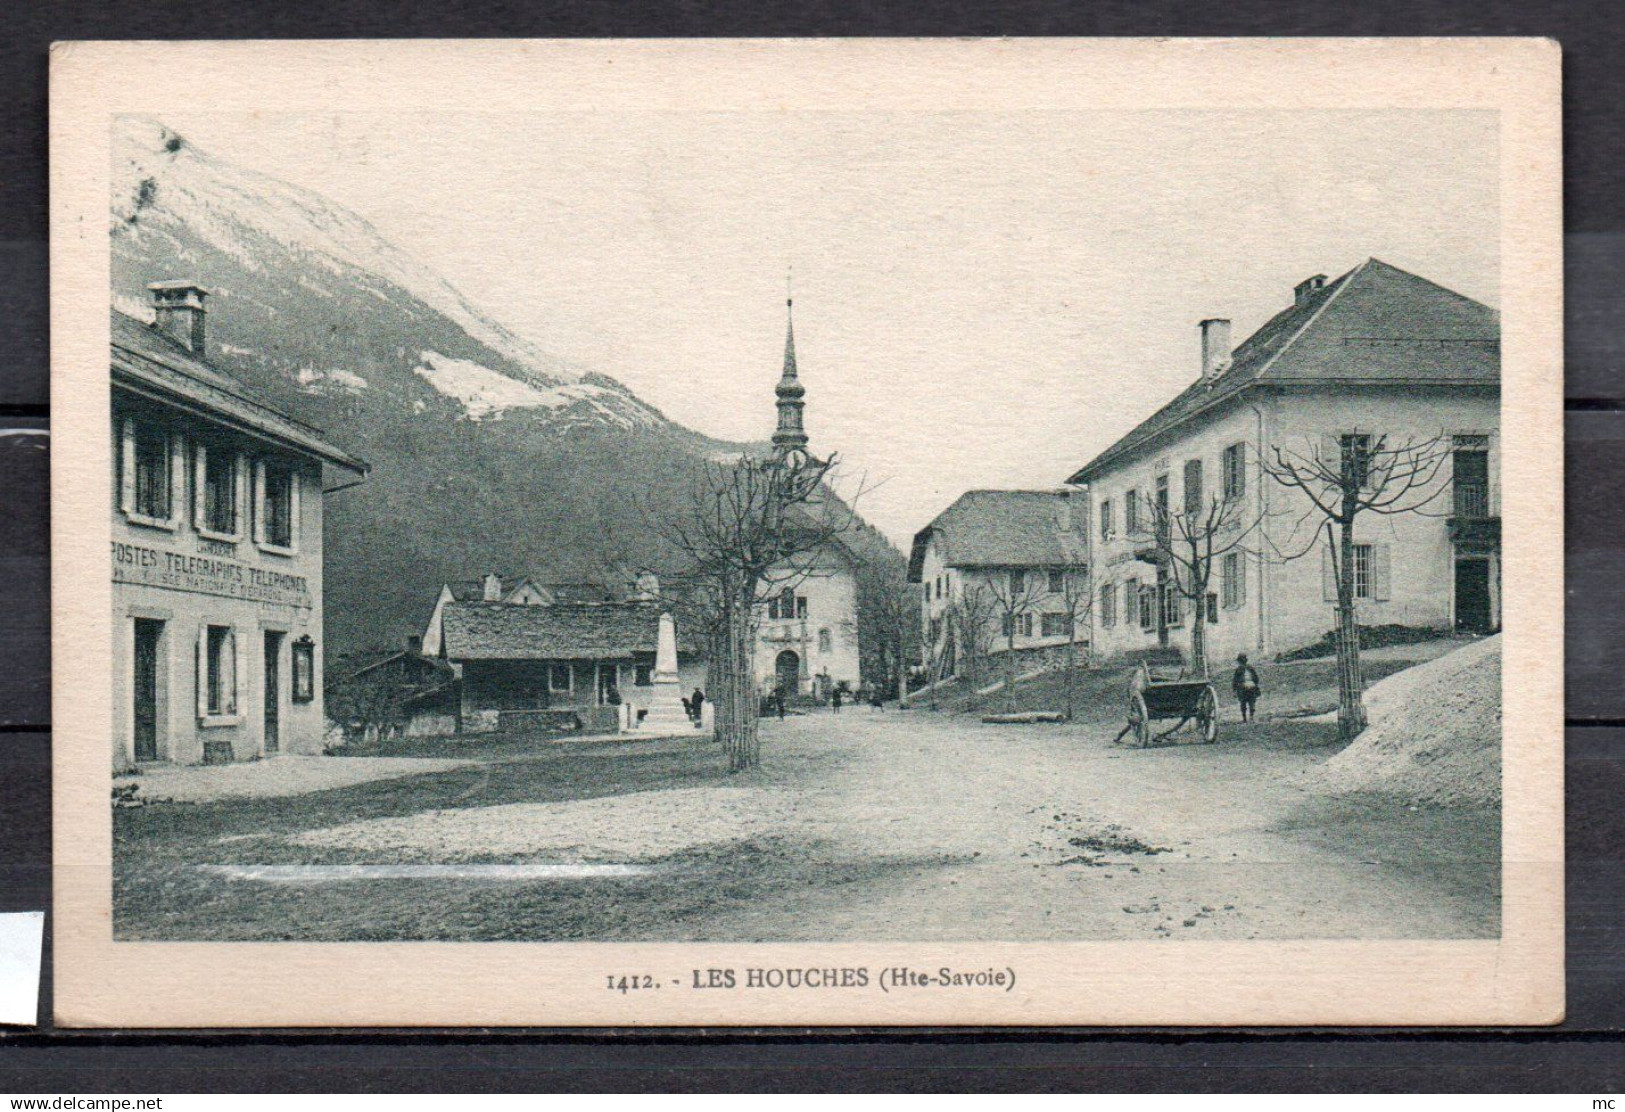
(807, 631)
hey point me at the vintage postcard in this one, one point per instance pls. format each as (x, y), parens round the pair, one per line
(807, 532)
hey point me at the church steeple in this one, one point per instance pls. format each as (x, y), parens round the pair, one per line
(790, 434)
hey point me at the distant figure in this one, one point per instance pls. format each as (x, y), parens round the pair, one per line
(688, 706)
(778, 701)
(1244, 682)
(835, 700)
(876, 699)
(697, 701)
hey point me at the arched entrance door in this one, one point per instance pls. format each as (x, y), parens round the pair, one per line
(787, 673)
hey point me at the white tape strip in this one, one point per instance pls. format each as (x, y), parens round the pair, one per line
(21, 936)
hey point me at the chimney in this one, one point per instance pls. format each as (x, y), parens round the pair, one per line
(493, 587)
(178, 310)
(1307, 288)
(414, 644)
(1215, 348)
(648, 587)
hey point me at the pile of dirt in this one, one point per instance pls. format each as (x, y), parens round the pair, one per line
(1434, 734)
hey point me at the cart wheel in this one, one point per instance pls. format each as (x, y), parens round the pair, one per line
(1140, 717)
(1207, 715)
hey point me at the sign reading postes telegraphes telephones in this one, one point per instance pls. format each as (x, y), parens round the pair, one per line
(207, 575)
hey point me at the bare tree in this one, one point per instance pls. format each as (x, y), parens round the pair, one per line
(887, 603)
(971, 612)
(1185, 541)
(1015, 593)
(1344, 477)
(751, 528)
(1077, 601)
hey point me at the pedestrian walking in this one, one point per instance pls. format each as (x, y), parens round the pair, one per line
(1244, 682)
(835, 701)
(697, 701)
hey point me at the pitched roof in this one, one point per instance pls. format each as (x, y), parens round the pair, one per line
(1005, 528)
(473, 590)
(564, 631)
(148, 361)
(426, 663)
(1376, 324)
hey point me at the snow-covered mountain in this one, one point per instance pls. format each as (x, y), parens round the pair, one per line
(287, 256)
(489, 453)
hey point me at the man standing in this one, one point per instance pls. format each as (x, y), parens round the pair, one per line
(1244, 682)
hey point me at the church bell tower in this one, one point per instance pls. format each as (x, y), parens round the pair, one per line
(790, 438)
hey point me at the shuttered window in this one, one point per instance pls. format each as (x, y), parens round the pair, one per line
(1232, 581)
(1173, 606)
(276, 506)
(1235, 474)
(218, 649)
(152, 465)
(217, 483)
(1193, 487)
(1372, 573)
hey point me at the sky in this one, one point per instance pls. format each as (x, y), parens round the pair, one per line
(981, 299)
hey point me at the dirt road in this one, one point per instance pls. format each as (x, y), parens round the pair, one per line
(873, 825)
(1034, 832)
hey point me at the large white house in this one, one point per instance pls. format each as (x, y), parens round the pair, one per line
(1377, 353)
(216, 551)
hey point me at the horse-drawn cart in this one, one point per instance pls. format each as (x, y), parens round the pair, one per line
(1155, 695)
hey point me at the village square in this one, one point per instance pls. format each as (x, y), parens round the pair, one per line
(1237, 675)
(572, 726)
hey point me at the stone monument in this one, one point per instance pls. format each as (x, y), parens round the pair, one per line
(666, 714)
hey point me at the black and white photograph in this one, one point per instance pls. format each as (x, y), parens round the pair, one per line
(808, 525)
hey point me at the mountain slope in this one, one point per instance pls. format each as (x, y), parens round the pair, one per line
(489, 453)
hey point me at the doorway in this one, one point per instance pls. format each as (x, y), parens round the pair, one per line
(273, 691)
(1473, 595)
(607, 685)
(148, 635)
(787, 673)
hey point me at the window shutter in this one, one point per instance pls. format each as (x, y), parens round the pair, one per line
(1331, 453)
(1379, 572)
(293, 521)
(200, 670)
(177, 480)
(241, 507)
(126, 489)
(1241, 580)
(239, 661)
(200, 475)
(1328, 575)
(259, 501)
